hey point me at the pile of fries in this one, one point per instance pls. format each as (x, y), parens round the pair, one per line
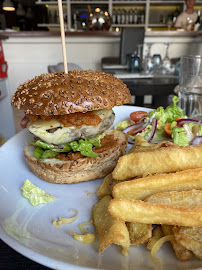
(153, 195)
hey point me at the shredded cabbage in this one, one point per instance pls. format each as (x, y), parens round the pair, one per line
(158, 245)
(65, 220)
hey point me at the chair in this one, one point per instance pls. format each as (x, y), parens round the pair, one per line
(60, 67)
(130, 38)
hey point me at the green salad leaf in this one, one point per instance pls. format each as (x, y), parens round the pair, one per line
(173, 111)
(184, 135)
(84, 146)
(35, 194)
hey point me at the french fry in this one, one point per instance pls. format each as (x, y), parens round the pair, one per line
(141, 188)
(155, 213)
(156, 235)
(141, 144)
(161, 160)
(139, 233)
(181, 252)
(190, 238)
(106, 187)
(108, 229)
(190, 198)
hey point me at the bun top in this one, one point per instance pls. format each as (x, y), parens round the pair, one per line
(78, 91)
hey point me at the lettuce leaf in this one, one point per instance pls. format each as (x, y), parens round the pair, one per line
(84, 146)
(35, 194)
(173, 111)
(184, 135)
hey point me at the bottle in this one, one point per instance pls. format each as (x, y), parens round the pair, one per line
(114, 15)
(130, 16)
(142, 17)
(198, 21)
(127, 17)
(139, 18)
(135, 16)
(119, 16)
(123, 16)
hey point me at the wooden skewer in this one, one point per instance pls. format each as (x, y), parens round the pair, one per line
(62, 32)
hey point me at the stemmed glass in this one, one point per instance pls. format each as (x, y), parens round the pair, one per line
(147, 62)
(167, 65)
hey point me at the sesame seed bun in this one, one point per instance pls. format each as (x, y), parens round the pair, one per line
(78, 91)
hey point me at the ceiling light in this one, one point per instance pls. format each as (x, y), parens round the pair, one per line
(8, 5)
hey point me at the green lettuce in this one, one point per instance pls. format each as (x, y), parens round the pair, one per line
(84, 146)
(184, 135)
(163, 116)
(35, 194)
(173, 111)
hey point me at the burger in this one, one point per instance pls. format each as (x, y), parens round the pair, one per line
(69, 116)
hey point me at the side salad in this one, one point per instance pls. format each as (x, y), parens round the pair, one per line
(161, 124)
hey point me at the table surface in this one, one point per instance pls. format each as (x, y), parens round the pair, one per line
(10, 259)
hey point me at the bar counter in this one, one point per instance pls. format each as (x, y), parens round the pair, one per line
(173, 33)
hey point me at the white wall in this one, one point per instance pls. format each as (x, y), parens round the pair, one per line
(28, 57)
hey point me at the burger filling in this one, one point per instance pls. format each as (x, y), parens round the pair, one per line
(69, 136)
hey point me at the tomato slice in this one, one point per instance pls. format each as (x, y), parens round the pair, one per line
(168, 130)
(136, 116)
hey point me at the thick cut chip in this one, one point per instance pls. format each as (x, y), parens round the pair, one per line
(181, 252)
(155, 213)
(191, 198)
(106, 187)
(108, 229)
(141, 144)
(141, 188)
(190, 238)
(161, 160)
(139, 233)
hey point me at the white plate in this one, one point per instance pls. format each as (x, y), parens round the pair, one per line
(29, 229)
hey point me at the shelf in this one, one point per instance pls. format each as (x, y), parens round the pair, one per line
(89, 2)
(49, 2)
(127, 25)
(152, 10)
(129, 2)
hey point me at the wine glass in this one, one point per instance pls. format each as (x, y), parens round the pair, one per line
(167, 65)
(147, 63)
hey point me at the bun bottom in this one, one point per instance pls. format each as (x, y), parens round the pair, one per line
(74, 171)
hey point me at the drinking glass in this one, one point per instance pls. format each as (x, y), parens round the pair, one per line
(190, 86)
(147, 63)
(167, 65)
(157, 63)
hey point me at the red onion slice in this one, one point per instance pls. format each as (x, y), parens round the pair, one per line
(197, 140)
(154, 126)
(187, 121)
(139, 127)
(24, 122)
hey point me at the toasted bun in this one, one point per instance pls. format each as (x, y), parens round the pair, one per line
(78, 91)
(84, 169)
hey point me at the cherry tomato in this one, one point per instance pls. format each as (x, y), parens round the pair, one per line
(136, 116)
